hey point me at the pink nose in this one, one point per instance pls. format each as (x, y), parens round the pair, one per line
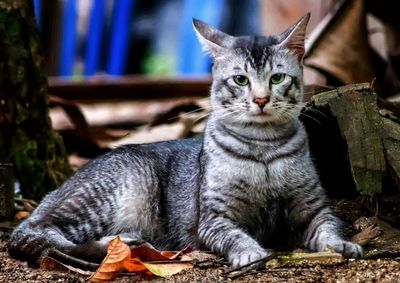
(261, 101)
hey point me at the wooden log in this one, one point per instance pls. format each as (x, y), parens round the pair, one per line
(128, 88)
(390, 134)
(355, 108)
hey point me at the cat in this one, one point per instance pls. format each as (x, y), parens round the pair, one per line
(247, 186)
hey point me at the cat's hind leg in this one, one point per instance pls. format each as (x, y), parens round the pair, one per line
(30, 240)
(96, 250)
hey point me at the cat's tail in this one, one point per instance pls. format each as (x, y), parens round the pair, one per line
(30, 240)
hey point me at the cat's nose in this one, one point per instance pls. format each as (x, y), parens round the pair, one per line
(261, 101)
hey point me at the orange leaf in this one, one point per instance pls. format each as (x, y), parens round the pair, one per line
(145, 253)
(172, 255)
(168, 254)
(134, 265)
(113, 263)
(160, 269)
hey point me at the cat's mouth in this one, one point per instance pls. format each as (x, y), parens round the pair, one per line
(262, 113)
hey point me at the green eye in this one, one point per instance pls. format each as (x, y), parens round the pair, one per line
(277, 78)
(241, 80)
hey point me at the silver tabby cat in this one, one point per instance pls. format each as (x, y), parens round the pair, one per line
(247, 186)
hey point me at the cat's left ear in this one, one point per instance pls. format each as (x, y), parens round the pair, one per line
(212, 39)
(294, 37)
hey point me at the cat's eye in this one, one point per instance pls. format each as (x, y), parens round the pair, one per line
(277, 78)
(241, 80)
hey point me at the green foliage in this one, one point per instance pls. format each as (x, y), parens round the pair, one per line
(159, 65)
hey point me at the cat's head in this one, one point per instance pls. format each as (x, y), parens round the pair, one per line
(256, 79)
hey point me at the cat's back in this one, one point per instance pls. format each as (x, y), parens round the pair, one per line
(121, 158)
(131, 165)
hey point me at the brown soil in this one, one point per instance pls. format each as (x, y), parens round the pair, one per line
(382, 265)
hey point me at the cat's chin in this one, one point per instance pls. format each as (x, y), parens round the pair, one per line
(263, 118)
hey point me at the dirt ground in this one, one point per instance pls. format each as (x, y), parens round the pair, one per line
(382, 262)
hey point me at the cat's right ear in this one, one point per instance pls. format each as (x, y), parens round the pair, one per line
(212, 39)
(294, 37)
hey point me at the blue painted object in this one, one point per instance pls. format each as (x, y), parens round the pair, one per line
(68, 38)
(191, 59)
(94, 37)
(37, 6)
(123, 10)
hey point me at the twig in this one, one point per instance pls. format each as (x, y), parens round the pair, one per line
(247, 268)
(210, 263)
(73, 261)
(168, 261)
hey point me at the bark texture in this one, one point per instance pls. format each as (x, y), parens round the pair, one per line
(355, 139)
(26, 136)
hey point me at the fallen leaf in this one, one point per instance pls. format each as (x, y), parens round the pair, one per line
(21, 215)
(134, 265)
(172, 255)
(368, 234)
(142, 259)
(113, 263)
(147, 257)
(145, 253)
(166, 269)
(28, 206)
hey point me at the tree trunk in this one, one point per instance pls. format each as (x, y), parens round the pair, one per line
(354, 144)
(26, 136)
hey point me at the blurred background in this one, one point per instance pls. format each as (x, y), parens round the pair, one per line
(117, 37)
(123, 63)
(84, 38)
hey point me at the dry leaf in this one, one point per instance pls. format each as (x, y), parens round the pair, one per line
(134, 265)
(368, 234)
(29, 205)
(142, 259)
(113, 263)
(147, 256)
(172, 255)
(145, 253)
(166, 269)
(21, 215)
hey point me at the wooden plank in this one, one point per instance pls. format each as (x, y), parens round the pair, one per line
(128, 88)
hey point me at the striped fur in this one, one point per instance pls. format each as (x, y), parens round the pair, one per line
(247, 186)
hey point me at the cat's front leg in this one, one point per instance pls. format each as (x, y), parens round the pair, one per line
(322, 232)
(221, 235)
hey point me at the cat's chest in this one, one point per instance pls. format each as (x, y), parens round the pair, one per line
(265, 177)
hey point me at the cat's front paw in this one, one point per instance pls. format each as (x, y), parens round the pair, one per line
(247, 256)
(347, 249)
